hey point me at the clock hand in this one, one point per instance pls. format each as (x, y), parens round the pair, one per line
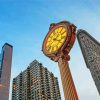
(57, 40)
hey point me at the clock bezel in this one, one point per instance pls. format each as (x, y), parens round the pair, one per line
(64, 24)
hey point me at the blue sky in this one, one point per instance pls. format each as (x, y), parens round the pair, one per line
(24, 24)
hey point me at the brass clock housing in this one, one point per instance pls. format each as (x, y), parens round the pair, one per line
(59, 40)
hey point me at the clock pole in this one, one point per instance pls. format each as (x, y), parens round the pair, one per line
(60, 55)
(67, 80)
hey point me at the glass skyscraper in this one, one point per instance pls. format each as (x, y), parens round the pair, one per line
(5, 71)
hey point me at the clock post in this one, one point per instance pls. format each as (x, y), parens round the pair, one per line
(57, 45)
(67, 81)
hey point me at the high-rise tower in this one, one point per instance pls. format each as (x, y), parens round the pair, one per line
(5, 71)
(90, 48)
(35, 83)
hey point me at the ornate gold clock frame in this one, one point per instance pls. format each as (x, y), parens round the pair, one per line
(57, 45)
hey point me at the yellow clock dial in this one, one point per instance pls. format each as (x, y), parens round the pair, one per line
(56, 39)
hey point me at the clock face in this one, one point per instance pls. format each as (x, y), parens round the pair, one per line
(55, 39)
